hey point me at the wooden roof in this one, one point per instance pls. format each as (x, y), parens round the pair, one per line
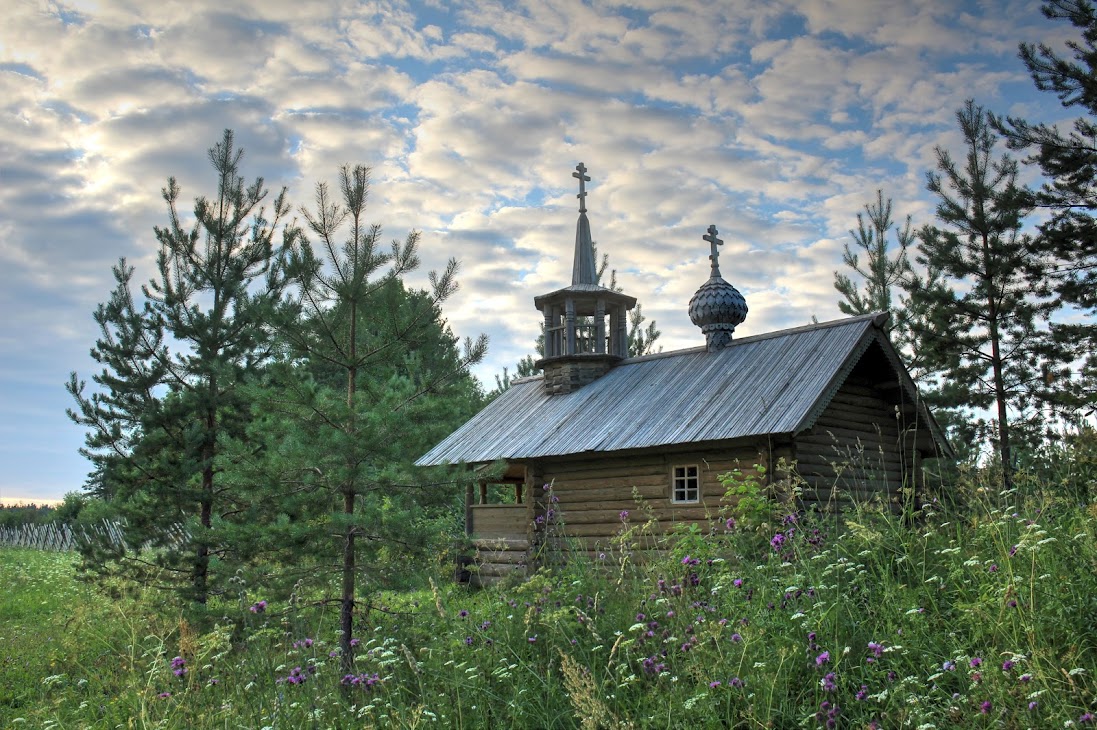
(776, 383)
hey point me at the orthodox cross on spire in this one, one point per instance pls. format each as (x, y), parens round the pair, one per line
(581, 173)
(714, 243)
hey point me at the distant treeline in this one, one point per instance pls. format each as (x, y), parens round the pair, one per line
(66, 512)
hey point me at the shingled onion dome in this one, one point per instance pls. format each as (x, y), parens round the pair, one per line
(717, 307)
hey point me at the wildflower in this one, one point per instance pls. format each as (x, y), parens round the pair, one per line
(713, 685)
(736, 638)
(1085, 718)
(948, 666)
(975, 661)
(1013, 551)
(738, 582)
(601, 556)
(485, 626)
(1033, 705)
(735, 682)
(822, 659)
(986, 707)
(355, 642)
(1025, 678)
(258, 607)
(164, 695)
(876, 649)
(532, 639)
(828, 683)
(862, 693)
(1011, 603)
(468, 641)
(777, 541)
(993, 568)
(624, 515)
(1007, 665)
(214, 681)
(178, 666)
(463, 613)
(730, 524)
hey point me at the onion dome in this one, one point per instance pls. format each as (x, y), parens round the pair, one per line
(717, 307)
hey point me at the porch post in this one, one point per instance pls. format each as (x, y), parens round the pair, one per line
(468, 510)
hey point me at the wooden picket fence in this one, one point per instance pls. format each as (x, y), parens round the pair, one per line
(51, 536)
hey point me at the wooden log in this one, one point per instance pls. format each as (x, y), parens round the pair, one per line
(611, 515)
(495, 570)
(507, 557)
(500, 542)
(622, 489)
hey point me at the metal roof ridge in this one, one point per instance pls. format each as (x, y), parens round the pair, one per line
(878, 318)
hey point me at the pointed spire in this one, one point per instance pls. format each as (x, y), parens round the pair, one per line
(583, 270)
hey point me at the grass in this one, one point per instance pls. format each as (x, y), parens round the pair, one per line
(977, 619)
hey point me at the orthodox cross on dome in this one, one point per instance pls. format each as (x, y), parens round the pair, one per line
(714, 243)
(581, 173)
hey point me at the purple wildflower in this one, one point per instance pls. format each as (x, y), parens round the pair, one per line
(822, 659)
(463, 613)
(1007, 665)
(258, 607)
(713, 685)
(738, 582)
(975, 661)
(164, 695)
(730, 524)
(777, 541)
(986, 707)
(1085, 718)
(1033, 705)
(735, 682)
(828, 683)
(623, 515)
(736, 638)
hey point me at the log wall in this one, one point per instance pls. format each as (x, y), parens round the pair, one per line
(593, 492)
(855, 452)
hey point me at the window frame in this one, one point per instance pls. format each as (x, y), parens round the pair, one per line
(685, 478)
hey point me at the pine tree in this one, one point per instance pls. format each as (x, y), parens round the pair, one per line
(1068, 241)
(371, 380)
(980, 319)
(882, 272)
(170, 391)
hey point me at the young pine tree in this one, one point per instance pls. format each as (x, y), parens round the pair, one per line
(882, 272)
(979, 322)
(170, 392)
(372, 379)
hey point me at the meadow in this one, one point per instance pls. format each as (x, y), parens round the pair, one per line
(977, 617)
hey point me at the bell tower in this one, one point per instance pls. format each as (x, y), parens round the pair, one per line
(586, 324)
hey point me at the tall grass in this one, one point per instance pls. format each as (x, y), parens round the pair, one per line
(977, 618)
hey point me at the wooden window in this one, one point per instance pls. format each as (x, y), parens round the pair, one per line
(685, 484)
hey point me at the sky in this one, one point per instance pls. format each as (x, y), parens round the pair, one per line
(775, 120)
